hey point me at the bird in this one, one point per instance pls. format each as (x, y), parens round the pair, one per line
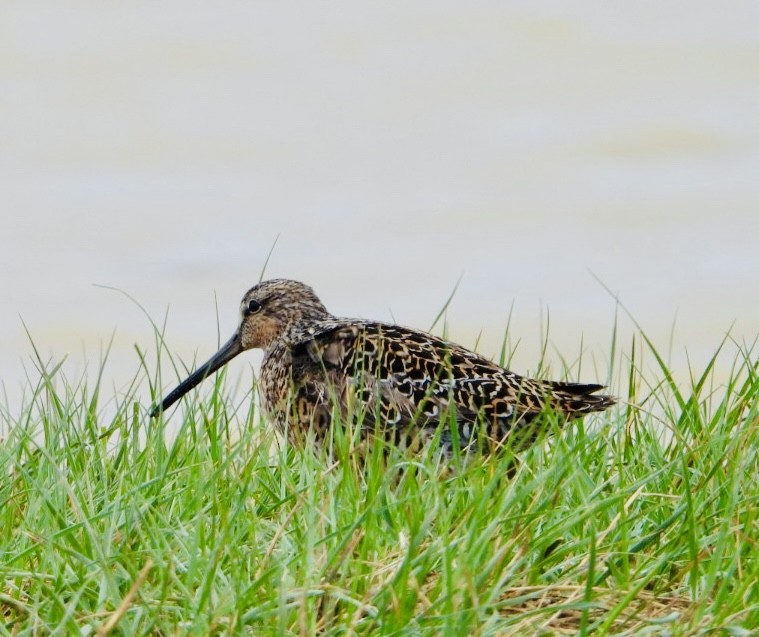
(403, 384)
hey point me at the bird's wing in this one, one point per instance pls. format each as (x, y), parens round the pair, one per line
(404, 375)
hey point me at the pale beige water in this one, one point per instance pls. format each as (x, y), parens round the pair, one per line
(161, 147)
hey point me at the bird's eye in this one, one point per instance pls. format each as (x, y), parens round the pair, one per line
(253, 306)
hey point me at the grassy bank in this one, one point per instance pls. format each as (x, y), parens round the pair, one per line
(639, 521)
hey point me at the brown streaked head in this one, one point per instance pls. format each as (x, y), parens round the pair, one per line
(268, 312)
(272, 308)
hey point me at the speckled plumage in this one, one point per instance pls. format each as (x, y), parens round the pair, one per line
(399, 381)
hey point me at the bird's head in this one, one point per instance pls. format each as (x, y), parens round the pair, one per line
(269, 312)
(272, 309)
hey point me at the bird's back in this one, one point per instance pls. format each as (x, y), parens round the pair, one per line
(408, 383)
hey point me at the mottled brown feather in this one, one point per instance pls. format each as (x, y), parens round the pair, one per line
(403, 383)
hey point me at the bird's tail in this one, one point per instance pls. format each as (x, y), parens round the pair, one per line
(576, 399)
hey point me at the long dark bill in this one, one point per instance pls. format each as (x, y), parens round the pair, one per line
(228, 351)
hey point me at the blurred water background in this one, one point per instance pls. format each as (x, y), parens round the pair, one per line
(526, 148)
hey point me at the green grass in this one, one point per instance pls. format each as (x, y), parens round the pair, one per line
(641, 521)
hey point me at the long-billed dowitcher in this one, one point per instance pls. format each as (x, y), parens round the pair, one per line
(402, 382)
